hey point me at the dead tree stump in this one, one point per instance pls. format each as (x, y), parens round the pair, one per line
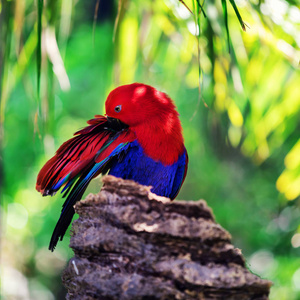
(132, 244)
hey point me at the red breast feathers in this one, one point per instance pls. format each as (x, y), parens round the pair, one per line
(151, 115)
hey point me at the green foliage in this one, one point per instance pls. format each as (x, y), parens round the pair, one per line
(241, 131)
(40, 6)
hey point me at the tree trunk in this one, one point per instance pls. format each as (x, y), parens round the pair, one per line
(132, 244)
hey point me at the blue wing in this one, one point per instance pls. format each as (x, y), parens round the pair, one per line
(166, 180)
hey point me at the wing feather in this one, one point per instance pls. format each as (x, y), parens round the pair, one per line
(78, 161)
(76, 153)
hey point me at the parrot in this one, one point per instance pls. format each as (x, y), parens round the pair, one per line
(139, 138)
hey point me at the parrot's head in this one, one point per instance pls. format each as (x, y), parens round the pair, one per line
(137, 104)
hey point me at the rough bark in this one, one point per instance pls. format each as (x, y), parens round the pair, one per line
(132, 244)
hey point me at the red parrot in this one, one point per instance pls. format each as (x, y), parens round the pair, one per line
(139, 138)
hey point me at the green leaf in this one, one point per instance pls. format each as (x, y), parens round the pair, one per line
(39, 44)
(201, 6)
(238, 14)
(224, 6)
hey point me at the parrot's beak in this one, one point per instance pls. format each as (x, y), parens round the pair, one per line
(116, 123)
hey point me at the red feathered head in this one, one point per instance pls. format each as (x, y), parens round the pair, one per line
(137, 103)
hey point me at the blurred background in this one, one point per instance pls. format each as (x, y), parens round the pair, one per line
(237, 92)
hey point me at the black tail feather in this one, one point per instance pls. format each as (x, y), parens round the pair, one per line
(68, 211)
(61, 227)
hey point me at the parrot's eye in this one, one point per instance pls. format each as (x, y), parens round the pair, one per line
(118, 108)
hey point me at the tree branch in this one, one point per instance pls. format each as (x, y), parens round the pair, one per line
(132, 244)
